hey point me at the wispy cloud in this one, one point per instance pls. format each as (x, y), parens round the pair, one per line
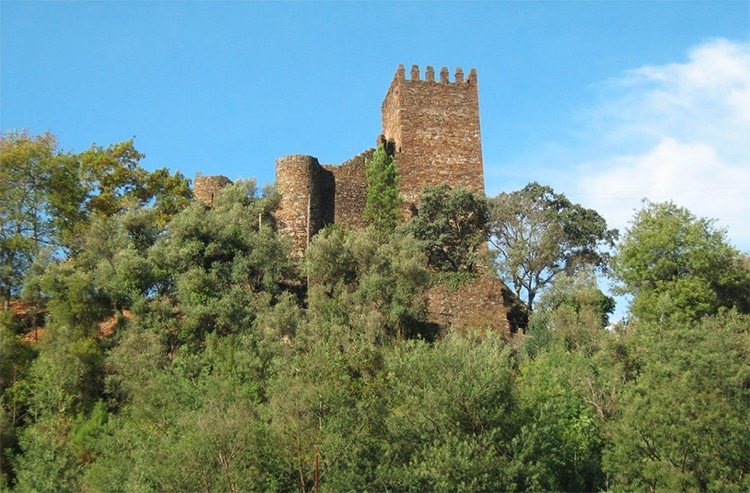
(676, 132)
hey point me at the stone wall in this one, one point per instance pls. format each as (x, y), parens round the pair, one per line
(350, 178)
(483, 303)
(307, 197)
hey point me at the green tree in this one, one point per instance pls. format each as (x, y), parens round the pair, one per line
(362, 282)
(538, 234)
(675, 264)
(452, 416)
(559, 444)
(383, 208)
(452, 225)
(48, 197)
(222, 265)
(682, 415)
(580, 295)
(30, 169)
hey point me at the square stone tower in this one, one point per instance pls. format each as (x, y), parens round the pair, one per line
(432, 128)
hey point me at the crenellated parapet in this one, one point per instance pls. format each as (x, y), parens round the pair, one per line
(429, 75)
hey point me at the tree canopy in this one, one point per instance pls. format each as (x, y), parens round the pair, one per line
(452, 225)
(192, 351)
(675, 264)
(48, 196)
(538, 234)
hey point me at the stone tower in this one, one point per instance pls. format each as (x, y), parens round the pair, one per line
(307, 194)
(205, 188)
(432, 128)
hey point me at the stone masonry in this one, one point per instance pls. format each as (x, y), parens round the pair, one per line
(206, 187)
(432, 128)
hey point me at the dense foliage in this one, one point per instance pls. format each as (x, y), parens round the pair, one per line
(452, 225)
(538, 234)
(677, 265)
(203, 356)
(49, 197)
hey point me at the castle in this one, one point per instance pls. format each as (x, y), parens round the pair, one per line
(430, 126)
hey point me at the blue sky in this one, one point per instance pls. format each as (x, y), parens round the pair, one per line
(608, 102)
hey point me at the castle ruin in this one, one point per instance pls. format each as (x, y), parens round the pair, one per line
(430, 126)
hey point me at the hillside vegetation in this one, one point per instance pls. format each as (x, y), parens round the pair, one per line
(150, 343)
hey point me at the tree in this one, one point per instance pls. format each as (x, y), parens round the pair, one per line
(578, 295)
(368, 283)
(682, 420)
(220, 265)
(48, 197)
(573, 310)
(452, 225)
(675, 264)
(30, 169)
(538, 234)
(453, 416)
(383, 206)
(559, 444)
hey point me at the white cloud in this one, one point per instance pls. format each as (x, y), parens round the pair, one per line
(677, 132)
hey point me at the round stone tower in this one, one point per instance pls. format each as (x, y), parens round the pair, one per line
(300, 215)
(205, 188)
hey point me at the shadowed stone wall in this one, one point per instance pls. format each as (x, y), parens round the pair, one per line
(350, 178)
(483, 303)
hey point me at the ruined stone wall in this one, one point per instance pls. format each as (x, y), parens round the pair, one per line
(483, 303)
(205, 188)
(333, 194)
(433, 128)
(350, 178)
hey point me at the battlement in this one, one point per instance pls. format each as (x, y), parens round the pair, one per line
(429, 75)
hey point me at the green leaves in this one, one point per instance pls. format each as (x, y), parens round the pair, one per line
(183, 352)
(368, 285)
(682, 423)
(452, 226)
(49, 197)
(538, 234)
(677, 265)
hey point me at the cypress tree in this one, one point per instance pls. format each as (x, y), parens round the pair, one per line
(383, 206)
